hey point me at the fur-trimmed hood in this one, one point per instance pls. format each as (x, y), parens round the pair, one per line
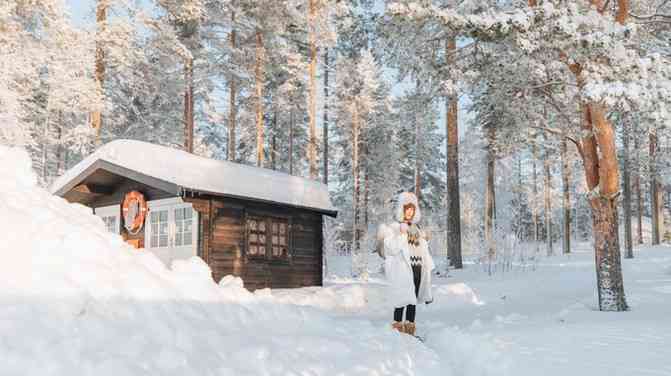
(405, 198)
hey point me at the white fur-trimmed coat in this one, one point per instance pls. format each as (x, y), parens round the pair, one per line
(401, 287)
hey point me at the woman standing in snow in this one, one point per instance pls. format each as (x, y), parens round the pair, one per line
(408, 264)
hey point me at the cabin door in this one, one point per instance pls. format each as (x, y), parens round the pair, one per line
(171, 230)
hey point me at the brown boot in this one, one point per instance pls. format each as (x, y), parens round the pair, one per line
(397, 325)
(409, 328)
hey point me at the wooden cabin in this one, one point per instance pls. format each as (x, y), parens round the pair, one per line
(261, 225)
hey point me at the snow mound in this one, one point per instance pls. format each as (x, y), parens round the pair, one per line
(457, 292)
(342, 298)
(54, 248)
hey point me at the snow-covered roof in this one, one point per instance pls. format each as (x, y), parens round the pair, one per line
(180, 171)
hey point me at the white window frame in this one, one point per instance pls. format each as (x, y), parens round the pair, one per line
(111, 211)
(171, 252)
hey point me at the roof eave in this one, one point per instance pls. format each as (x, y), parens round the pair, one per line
(328, 212)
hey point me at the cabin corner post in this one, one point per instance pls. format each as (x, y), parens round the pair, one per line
(208, 236)
(204, 209)
(320, 249)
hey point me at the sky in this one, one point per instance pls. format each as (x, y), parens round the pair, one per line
(81, 11)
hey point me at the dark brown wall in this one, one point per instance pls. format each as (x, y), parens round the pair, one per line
(228, 243)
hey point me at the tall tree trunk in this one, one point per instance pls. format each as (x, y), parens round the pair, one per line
(312, 94)
(291, 141)
(356, 230)
(188, 105)
(601, 170)
(453, 200)
(637, 187)
(566, 198)
(626, 203)
(601, 174)
(418, 146)
(325, 126)
(534, 203)
(365, 196)
(622, 11)
(273, 153)
(490, 199)
(60, 162)
(233, 87)
(654, 190)
(101, 21)
(46, 141)
(258, 75)
(520, 198)
(547, 187)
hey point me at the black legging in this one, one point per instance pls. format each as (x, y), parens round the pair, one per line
(410, 309)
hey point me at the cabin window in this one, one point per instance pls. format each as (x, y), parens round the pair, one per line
(159, 228)
(280, 244)
(257, 237)
(267, 237)
(183, 226)
(111, 217)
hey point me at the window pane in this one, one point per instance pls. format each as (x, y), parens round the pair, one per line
(163, 241)
(262, 226)
(187, 225)
(178, 239)
(154, 216)
(154, 241)
(163, 215)
(253, 238)
(179, 227)
(188, 238)
(252, 225)
(188, 213)
(179, 214)
(164, 229)
(262, 239)
(283, 229)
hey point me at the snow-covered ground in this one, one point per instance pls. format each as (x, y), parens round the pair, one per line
(75, 300)
(546, 321)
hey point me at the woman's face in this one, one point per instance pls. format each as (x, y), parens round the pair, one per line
(409, 212)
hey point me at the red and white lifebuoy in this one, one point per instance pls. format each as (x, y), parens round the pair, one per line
(134, 210)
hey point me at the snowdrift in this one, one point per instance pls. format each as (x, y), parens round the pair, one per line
(75, 300)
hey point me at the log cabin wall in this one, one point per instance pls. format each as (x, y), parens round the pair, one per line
(228, 251)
